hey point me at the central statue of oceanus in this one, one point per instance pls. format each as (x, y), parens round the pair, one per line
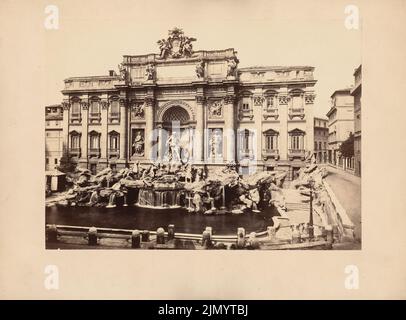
(178, 149)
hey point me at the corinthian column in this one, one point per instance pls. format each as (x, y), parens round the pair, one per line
(149, 126)
(229, 128)
(198, 139)
(65, 127)
(84, 137)
(104, 138)
(123, 129)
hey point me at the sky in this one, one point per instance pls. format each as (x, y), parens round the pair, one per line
(93, 36)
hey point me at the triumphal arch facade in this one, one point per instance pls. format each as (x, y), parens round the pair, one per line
(190, 106)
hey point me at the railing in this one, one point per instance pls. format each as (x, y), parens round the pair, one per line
(246, 113)
(270, 153)
(296, 112)
(94, 151)
(245, 153)
(75, 118)
(95, 117)
(296, 153)
(75, 152)
(271, 112)
(162, 239)
(114, 152)
(114, 117)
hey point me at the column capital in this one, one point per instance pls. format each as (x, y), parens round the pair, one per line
(65, 105)
(258, 100)
(149, 101)
(123, 102)
(230, 99)
(104, 104)
(84, 105)
(201, 99)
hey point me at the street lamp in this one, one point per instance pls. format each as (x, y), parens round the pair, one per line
(311, 228)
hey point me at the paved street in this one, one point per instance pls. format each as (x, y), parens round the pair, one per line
(348, 191)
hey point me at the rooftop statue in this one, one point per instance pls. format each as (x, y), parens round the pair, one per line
(232, 67)
(123, 72)
(177, 45)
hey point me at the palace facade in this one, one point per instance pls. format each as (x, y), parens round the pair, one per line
(356, 92)
(53, 136)
(321, 140)
(186, 105)
(340, 125)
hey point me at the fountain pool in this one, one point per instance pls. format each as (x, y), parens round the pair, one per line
(133, 217)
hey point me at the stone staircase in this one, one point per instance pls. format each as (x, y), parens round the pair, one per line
(297, 206)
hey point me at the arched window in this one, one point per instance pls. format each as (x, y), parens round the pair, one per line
(114, 111)
(95, 115)
(296, 139)
(94, 140)
(75, 110)
(246, 143)
(74, 140)
(114, 141)
(271, 140)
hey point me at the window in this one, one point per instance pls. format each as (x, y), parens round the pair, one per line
(320, 145)
(75, 140)
(271, 139)
(315, 145)
(94, 112)
(94, 108)
(56, 161)
(94, 140)
(297, 139)
(114, 141)
(57, 123)
(114, 114)
(296, 142)
(246, 141)
(325, 145)
(270, 142)
(75, 109)
(47, 160)
(270, 102)
(246, 103)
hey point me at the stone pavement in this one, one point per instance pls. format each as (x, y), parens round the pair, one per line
(347, 188)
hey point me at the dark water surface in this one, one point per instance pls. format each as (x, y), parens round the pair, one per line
(133, 217)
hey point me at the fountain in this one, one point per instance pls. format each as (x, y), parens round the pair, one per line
(112, 200)
(164, 192)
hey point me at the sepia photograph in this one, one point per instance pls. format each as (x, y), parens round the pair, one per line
(244, 142)
(202, 150)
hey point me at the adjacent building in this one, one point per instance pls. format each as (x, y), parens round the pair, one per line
(196, 106)
(356, 92)
(340, 125)
(53, 136)
(320, 140)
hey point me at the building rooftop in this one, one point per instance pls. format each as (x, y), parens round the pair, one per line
(276, 68)
(357, 70)
(344, 90)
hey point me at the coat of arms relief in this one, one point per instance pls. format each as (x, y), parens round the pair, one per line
(177, 45)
